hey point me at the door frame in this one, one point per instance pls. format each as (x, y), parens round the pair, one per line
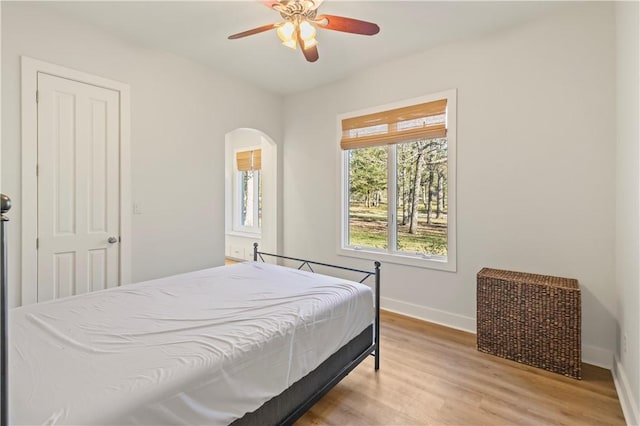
(29, 204)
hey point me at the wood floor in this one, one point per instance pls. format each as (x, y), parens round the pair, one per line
(433, 375)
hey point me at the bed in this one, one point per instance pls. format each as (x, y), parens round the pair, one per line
(252, 343)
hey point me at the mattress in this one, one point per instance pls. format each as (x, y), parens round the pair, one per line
(204, 347)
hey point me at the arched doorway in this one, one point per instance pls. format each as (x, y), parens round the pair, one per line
(251, 193)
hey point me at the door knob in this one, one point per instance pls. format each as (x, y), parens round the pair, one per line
(112, 240)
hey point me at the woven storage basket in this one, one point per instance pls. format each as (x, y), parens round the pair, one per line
(529, 318)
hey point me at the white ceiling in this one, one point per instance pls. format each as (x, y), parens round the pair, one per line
(198, 30)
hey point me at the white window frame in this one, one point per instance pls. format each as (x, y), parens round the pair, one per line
(236, 226)
(442, 263)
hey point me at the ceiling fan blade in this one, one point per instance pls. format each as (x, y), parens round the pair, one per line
(252, 31)
(347, 25)
(310, 53)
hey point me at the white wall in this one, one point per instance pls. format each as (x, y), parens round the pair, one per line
(627, 369)
(536, 157)
(181, 112)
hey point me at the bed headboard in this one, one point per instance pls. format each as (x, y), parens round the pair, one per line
(5, 205)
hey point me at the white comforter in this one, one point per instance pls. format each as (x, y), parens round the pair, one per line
(199, 348)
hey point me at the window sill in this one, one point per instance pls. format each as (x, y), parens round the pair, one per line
(253, 235)
(417, 261)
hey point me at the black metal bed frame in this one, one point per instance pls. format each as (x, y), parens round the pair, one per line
(376, 273)
(374, 349)
(5, 205)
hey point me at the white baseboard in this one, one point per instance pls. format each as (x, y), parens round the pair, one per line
(590, 354)
(447, 319)
(597, 356)
(625, 395)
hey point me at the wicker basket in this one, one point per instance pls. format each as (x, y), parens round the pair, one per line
(529, 318)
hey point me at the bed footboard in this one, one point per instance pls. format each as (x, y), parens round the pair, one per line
(367, 274)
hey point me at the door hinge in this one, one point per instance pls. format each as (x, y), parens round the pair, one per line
(37, 243)
(37, 96)
(37, 170)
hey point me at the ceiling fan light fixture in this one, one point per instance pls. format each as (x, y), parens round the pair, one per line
(310, 43)
(307, 31)
(290, 44)
(286, 32)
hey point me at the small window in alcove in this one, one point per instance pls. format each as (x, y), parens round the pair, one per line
(248, 192)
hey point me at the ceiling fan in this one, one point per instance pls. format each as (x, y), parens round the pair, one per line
(300, 22)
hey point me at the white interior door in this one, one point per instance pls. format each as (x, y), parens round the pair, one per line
(78, 187)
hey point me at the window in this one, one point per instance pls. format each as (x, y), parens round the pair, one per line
(247, 216)
(398, 197)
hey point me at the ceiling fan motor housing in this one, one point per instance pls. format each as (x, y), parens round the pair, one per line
(297, 10)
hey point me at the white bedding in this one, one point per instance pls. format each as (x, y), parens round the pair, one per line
(199, 348)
